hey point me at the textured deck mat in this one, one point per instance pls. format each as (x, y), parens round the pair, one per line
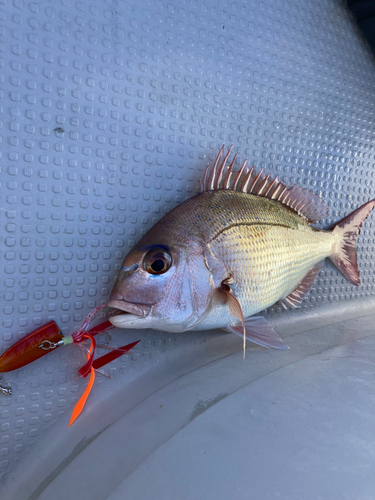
(110, 112)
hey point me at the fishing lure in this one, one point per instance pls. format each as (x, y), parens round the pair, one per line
(49, 337)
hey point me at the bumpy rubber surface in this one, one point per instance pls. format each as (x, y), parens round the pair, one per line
(110, 113)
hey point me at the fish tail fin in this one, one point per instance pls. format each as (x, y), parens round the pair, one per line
(347, 231)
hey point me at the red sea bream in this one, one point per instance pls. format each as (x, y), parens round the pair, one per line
(239, 246)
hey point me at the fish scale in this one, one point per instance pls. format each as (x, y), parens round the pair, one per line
(266, 248)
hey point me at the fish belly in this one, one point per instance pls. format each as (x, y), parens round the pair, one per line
(266, 263)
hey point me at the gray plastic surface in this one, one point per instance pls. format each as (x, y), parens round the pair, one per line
(110, 112)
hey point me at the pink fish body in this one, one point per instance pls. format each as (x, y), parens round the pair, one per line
(239, 246)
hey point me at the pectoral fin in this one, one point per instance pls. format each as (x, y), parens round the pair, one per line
(256, 328)
(259, 331)
(223, 295)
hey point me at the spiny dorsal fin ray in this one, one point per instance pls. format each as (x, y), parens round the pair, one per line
(295, 298)
(302, 200)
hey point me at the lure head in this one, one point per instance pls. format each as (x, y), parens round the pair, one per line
(164, 283)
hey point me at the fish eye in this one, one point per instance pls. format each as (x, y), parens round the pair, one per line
(157, 261)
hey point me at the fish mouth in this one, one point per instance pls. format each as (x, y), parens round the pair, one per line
(132, 312)
(129, 307)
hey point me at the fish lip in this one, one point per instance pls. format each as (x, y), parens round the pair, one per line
(140, 310)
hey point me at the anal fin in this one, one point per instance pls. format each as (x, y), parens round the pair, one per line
(259, 331)
(295, 298)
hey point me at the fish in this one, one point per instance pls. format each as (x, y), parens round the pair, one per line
(243, 243)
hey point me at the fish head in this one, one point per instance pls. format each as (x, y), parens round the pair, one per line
(163, 284)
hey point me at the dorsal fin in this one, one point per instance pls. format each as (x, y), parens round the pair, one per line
(301, 200)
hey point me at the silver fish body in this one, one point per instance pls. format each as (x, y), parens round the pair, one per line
(242, 244)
